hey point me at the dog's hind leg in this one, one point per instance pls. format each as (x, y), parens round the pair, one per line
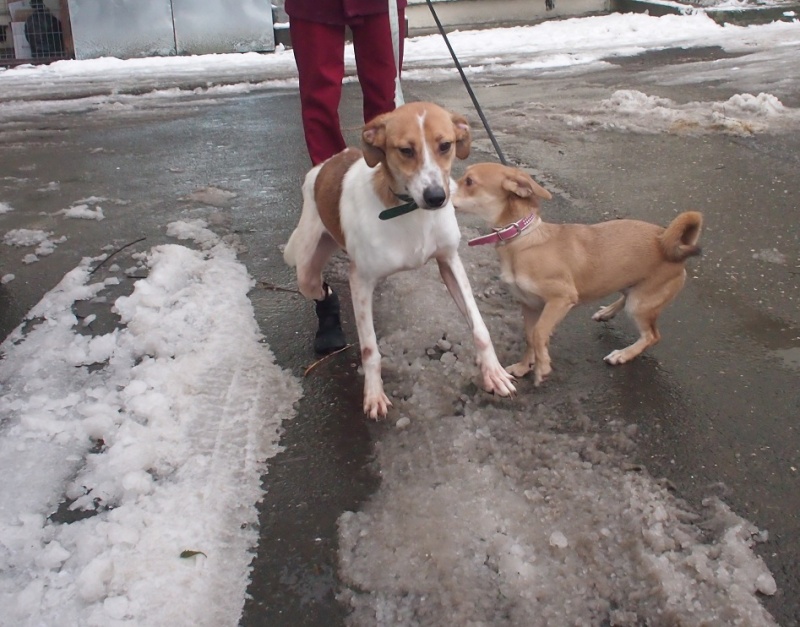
(609, 311)
(495, 379)
(312, 249)
(310, 263)
(645, 308)
(648, 336)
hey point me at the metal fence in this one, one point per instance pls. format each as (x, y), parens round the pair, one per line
(34, 31)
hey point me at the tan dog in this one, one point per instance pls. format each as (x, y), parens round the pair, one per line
(551, 268)
(389, 207)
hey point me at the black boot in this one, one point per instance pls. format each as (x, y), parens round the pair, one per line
(330, 336)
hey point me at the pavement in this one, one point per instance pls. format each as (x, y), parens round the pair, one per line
(716, 403)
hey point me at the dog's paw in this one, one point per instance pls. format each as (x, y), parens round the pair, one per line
(615, 358)
(376, 405)
(604, 314)
(498, 381)
(518, 370)
(540, 374)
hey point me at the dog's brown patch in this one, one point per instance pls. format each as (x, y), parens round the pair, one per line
(328, 191)
(383, 184)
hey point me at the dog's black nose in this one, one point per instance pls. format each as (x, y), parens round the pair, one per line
(434, 196)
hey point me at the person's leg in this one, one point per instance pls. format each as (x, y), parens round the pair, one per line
(319, 54)
(374, 52)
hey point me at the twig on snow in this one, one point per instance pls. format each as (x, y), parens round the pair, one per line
(100, 265)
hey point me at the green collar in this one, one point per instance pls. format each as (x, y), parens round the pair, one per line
(392, 212)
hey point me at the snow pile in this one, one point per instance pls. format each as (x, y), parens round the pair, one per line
(630, 110)
(149, 440)
(52, 186)
(26, 238)
(581, 41)
(568, 38)
(737, 4)
(83, 212)
(5, 208)
(763, 105)
(154, 66)
(89, 208)
(741, 114)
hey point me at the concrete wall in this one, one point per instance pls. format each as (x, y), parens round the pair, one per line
(138, 28)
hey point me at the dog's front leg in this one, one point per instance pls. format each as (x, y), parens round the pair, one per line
(495, 378)
(524, 365)
(554, 312)
(376, 403)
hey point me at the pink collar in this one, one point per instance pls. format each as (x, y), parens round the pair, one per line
(501, 235)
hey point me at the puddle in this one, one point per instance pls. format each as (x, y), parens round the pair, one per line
(780, 338)
(790, 357)
(772, 333)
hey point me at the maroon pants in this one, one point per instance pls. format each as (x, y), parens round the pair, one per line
(319, 53)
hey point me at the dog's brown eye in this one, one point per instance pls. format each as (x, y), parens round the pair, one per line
(406, 152)
(444, 147)
(468, 181)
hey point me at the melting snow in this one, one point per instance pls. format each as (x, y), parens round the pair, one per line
(159, 429)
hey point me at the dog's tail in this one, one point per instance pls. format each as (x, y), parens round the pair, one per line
(297, 241)
(290, 250)
(679, 239)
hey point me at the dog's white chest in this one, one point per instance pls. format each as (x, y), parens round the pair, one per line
(406, 243)
(383, 247)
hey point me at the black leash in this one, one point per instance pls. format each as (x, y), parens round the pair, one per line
(468, 86)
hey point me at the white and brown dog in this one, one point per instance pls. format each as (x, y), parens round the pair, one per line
(350, 202)
(550, 268)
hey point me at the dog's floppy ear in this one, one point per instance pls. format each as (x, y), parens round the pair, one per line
(518, 184)
(373, 141)
(463, 136)
(524, 186)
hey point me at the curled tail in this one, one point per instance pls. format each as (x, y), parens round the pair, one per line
(679, 239)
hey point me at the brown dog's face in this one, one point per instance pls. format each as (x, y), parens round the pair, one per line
(487, 188)
(418, 143)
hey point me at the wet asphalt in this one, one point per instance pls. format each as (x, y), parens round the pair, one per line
(717, 402)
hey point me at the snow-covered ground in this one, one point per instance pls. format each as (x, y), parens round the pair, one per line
(488, 513)
(168, 436)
